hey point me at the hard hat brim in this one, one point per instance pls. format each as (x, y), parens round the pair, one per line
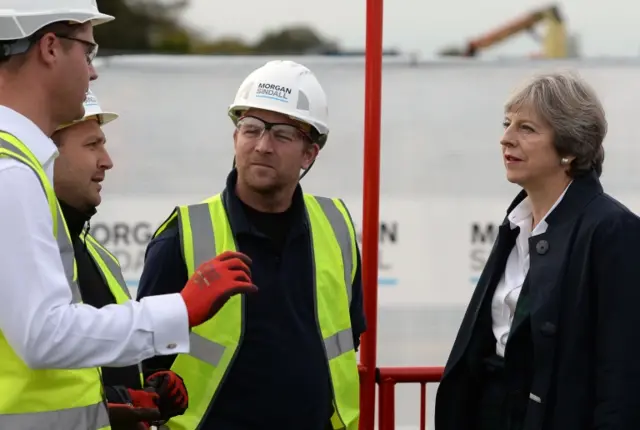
(102, 117)
(101, 18)
(232, 109)
(107, 117)
(80, 17)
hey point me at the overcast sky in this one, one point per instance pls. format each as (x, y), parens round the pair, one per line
(423, 26)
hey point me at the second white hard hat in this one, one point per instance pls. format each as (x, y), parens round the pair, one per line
(288, 88)
(93, 110)
(21, 18)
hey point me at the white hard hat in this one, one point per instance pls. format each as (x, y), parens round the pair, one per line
(288, 88)
(92, 110)
(21, 18)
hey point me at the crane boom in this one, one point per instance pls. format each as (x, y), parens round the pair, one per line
(554, 43)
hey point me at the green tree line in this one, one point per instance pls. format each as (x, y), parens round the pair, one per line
(154, 26)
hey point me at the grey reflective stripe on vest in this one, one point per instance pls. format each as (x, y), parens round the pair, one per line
(342, 341)
(111, 264)
(204, 243)
(205, 350)
(64, 243)
(67, 256)
(92, 417)
(339, 343)
(204, 246)
(341, 230)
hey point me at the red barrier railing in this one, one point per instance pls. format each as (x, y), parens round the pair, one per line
(388, 377)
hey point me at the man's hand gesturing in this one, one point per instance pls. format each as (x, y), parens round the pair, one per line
(214, 282)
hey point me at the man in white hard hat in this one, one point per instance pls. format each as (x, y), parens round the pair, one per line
(284, 358)
(46, 49)
(78, 172)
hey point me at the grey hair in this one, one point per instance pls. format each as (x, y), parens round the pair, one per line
(572, 109)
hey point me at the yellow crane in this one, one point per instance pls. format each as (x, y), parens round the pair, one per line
(554, 42)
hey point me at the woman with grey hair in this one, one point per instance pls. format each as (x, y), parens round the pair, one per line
(551, 337)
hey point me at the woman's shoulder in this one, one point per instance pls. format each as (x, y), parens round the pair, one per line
(608, 212)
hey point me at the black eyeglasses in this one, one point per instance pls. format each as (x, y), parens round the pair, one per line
(91, 48)
(21, 46)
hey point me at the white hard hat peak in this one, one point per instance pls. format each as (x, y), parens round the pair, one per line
(92, 110)
(288, 88)
(22, 18)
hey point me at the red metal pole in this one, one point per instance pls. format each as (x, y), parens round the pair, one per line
(371, 208)
(423, 406)
(387, 411)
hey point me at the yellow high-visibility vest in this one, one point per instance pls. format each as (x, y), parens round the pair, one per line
(54, 399)
(205, 232)
(109, 268)
(111, 272)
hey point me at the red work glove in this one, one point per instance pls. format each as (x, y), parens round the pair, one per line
(127, 417)
(173, 398)
(214, 282)
(144, 398)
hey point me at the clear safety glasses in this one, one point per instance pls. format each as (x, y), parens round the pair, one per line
(253, 128)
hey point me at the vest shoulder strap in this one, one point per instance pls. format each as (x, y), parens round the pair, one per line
(166, 223)
(103, 251)
(197, 221)
(11, 146)
(341, 222)
(174, 215)
(106, 261)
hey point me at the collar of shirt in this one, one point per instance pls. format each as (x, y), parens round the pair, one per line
(238, 218)
(76, 219)
(31, 136)
(522, 215)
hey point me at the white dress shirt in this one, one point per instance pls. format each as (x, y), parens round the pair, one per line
(36, 316)
(505, 298)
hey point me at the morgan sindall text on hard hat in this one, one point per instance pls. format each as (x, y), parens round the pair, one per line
(20, 19)
(93, 110)
(288, 88)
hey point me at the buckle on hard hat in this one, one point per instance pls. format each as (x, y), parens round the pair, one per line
(14, 47)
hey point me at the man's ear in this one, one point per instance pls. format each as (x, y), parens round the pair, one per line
(310, 154)
(49, 49)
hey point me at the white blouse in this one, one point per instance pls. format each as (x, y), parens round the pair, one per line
(505, 298)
